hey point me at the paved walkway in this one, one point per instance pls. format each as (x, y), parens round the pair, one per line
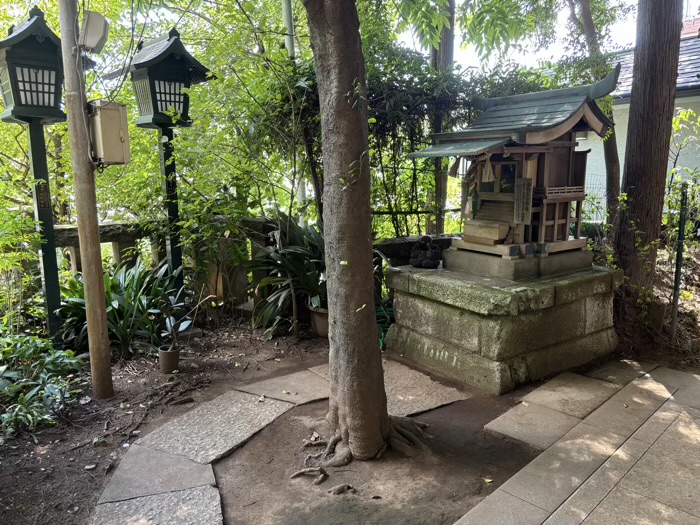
(166, 477)
(621, 447)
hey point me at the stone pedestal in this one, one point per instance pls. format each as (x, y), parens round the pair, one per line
(497, 333)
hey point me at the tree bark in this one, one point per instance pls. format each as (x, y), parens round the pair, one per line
(612, 156)
(612, 175)
(442, 59)
(646, 157)
(357, 406)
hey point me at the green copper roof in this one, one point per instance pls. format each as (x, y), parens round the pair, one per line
(463, 148)
(513, 118)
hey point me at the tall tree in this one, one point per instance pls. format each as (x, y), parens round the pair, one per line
(442, 59)
(357, 407)
(651, 114)
(584, 20)
(357, 410)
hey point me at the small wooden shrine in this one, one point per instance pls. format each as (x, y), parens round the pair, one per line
(517, 298)
(526, 179)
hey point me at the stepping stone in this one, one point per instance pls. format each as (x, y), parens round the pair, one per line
(621, 372)
(549, 479)
(298, 388)
(657, 424)
(145, 472)
(538, 426)
(627, 410)
(503, 509)
(670, 471)
(623, 507)
(215, 428)
(198, 506)
(587, 497)
(688, 396)
(572, 394)
(675, 378)
(408, 391)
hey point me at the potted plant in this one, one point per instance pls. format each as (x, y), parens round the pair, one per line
(296, 277)
(176, 323)
(318, 308)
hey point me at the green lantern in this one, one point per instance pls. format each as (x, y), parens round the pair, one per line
(161, 72)
(31, 72)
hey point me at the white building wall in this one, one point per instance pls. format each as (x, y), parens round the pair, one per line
(595, 169)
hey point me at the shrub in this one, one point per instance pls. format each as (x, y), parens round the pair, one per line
(295, 268)
(135, 297)
(35, 382)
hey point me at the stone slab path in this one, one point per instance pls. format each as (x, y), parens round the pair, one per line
(408, 391)
(166, 477)
(299, 388)
(632, 457)
(198, 506)
(215, 428)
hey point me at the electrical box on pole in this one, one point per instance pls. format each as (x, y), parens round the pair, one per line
(109, 133)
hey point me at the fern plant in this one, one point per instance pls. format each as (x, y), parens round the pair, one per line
(295, 271)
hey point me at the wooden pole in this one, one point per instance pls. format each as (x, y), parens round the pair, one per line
(85, 203)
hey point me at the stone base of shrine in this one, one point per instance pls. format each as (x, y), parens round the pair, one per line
(496, 334)
(516, 268)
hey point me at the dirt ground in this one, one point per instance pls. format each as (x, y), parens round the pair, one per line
(463, 466)
(57, 475)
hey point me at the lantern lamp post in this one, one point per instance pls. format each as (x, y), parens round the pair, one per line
(161, 72)
(31, 76)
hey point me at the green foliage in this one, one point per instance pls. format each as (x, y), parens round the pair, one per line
(296, 270)
(19, 285)
(385, 317)
(685, 139)
(136, 298)
(35, 382)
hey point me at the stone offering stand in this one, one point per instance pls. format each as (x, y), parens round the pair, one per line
(496, 333)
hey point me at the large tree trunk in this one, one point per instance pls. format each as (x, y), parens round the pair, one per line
(357, 408)
(646, 158)
(612, 156)
(442, 59)
(612, 175)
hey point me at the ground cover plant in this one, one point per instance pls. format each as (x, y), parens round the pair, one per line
(36, 382)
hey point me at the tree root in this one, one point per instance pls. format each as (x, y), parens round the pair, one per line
(318, 443)
(319, 472)
(406, 436)
(342, 489)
